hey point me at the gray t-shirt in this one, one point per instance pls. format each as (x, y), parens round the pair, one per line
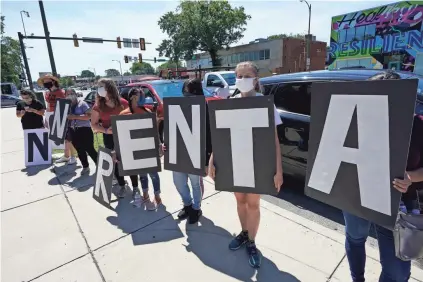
(80, 109)
(278, 120)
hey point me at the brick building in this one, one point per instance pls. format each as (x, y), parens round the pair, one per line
(271, 56)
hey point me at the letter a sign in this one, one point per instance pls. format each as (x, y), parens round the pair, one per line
(359, 139)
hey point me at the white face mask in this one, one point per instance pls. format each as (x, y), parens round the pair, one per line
(245, 84)
(102, 92)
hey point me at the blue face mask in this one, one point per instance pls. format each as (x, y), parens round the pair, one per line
(141, 101)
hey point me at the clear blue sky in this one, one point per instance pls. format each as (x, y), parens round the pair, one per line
(134, 19)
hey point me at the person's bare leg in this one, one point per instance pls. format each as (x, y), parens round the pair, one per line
(253, 215)
(72, 150)
(241, 204)
(67, 149)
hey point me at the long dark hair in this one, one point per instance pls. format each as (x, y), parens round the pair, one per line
(113, 93)
(193, 86)
(29, 93)
(133, 92)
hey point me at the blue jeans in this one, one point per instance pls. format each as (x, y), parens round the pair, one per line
(357, 231)
(155, 179)
(180, 180)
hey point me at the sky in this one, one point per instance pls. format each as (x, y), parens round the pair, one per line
(135, 19)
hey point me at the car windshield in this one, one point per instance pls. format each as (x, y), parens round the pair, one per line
(173, 89)
(229, 78)
(6, 89)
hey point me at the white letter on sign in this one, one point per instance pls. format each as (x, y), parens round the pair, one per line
(128, 145)
(191, 138)
(59, 123)
(99, 183)
(241, 123)
(372, 157)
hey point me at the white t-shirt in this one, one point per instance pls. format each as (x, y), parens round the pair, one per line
(278, 120)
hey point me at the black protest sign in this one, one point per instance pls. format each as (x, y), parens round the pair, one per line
(243, 139)
(136, 143)
(104, 177)
(37, 147)
(58, 122)
(185, 134)
(359, 139)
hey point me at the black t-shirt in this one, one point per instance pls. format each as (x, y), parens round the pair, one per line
(31, 120)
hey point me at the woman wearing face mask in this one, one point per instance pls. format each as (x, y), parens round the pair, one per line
(136, 98)
(55, 92)
(248, 205)
(80, 132)
(108, 103)
(30, 111)
(192, 205)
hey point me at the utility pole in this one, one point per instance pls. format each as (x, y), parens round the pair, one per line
(23, 23)
(47, 34)
(120, 66)
(308, 35)
(25, 59)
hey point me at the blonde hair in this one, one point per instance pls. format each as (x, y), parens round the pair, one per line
(255, 69)
(113, 93)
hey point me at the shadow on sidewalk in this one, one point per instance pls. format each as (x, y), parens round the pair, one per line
(210, 244)
(132, 220)
(34, 170)
(67, 176)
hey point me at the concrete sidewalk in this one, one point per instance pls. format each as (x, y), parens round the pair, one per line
(52, 230)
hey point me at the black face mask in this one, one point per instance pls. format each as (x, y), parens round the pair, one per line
(48, 85)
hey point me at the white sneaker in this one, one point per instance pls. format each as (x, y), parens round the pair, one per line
(63, 159)
(72, 160)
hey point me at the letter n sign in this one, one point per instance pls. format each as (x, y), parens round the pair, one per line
(185, 134)
(104, 177)
(37, 147)
(58, 124)
(359, 139)
(243, 139)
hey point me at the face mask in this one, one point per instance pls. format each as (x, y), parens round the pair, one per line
(141, 101)
(48, 85)
(28, 101)
(245, 84)
(102, 92)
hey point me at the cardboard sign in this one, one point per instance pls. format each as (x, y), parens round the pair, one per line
(243, 139)
(359, 139)
(37, 147)
(136, 143)
(104, 177)
(185, 134)
(48, 119)
(59, 124)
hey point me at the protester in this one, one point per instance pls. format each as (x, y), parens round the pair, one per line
(109, 103)
(70, 152)
(248, 205)
(79, 131)
(357, 229)
(192, 204)
(136, 98)
(30, 111)
(55, 92)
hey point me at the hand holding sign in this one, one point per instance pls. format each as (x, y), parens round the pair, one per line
(402, 184)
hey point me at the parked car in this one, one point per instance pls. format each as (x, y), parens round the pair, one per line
(9, 100)
(292, 99)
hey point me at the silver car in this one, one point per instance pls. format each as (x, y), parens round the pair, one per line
(9, 100)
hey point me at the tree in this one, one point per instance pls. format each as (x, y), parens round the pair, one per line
(112, 72)
(283, 36)
(66, 81)
(142, 68)
(207, 26)
(97, 77)
(87, 73)
(11, 65)
(169, 65)
(126, 73)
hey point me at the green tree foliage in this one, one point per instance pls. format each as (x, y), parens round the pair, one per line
(208, 26)
(87, 73)
(66, 81)
(283, 36)
(11, 65)
(112, 72)
(169, 65)
(142, 68)
(97, 77)
(126, 73)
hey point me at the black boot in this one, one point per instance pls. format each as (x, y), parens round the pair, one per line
(185, 212)
(194, 216)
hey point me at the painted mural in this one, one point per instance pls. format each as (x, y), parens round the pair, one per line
(387, 37)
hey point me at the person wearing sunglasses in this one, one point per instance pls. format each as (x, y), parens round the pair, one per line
(30, 111)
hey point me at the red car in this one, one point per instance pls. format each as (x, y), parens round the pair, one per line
(156, 90)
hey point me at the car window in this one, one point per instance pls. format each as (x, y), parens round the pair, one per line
(292, 97)
(172, 89)
(230, 78)
(148, 93)
(211, 78)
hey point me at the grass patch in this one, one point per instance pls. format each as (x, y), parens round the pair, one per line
(98, 141)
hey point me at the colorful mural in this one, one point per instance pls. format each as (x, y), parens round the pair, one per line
(389, 36)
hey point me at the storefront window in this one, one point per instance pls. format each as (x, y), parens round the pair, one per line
(359, 32)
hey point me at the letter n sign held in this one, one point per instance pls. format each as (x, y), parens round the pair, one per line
(359, 139)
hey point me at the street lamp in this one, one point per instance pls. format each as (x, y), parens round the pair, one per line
(95, 74)
(27, 14)
(308, 35)
(120, 67)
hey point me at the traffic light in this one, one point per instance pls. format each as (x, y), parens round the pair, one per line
(119, 44)
(126, 59)
(75, 40)
(142, 44)
(155, 61)
(140, 58)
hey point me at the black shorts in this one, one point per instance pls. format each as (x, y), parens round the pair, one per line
(69, 134)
